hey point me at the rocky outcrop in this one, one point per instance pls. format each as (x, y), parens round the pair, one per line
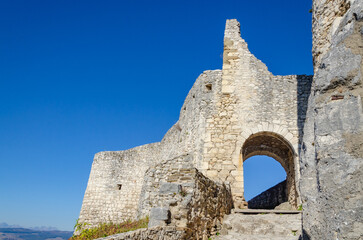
(331, 156)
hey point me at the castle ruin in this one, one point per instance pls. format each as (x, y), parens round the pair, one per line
(311, 125)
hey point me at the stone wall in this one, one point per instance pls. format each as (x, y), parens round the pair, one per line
(164, 182)
(187, 136)
(270, 198)
(332, 150)
(114, 184)
(177, 194)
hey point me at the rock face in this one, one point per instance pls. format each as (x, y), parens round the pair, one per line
(332, 148)
(312, 127)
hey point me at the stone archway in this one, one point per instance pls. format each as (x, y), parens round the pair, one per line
(277, 147)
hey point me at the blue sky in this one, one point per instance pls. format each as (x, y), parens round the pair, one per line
(79, 77)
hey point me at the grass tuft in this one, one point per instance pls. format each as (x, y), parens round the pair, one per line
(107, 229)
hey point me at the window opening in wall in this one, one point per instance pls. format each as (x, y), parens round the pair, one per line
(261, 173)
(119, 186)
(208, 86)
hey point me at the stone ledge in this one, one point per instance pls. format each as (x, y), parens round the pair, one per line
(259, 211)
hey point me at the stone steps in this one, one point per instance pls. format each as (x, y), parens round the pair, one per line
(261, 224)
(235, 236)
(263, 211)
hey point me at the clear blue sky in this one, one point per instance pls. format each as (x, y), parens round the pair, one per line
(79, 77)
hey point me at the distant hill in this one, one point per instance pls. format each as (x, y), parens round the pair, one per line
(42, 228)
(5, 225)
(30, 234)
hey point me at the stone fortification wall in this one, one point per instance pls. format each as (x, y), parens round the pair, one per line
(177, 194)
(332, 150)
(270, 198)
(114, 184)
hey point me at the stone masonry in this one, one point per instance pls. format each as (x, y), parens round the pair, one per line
(311, 126)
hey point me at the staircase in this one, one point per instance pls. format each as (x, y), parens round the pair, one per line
(250, 224)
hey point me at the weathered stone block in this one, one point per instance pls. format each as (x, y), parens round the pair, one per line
(169, 188)
(158, 216)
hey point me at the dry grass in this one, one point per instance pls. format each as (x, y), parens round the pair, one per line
(107, 229)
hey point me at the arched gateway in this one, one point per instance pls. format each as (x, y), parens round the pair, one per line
(275, 146)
